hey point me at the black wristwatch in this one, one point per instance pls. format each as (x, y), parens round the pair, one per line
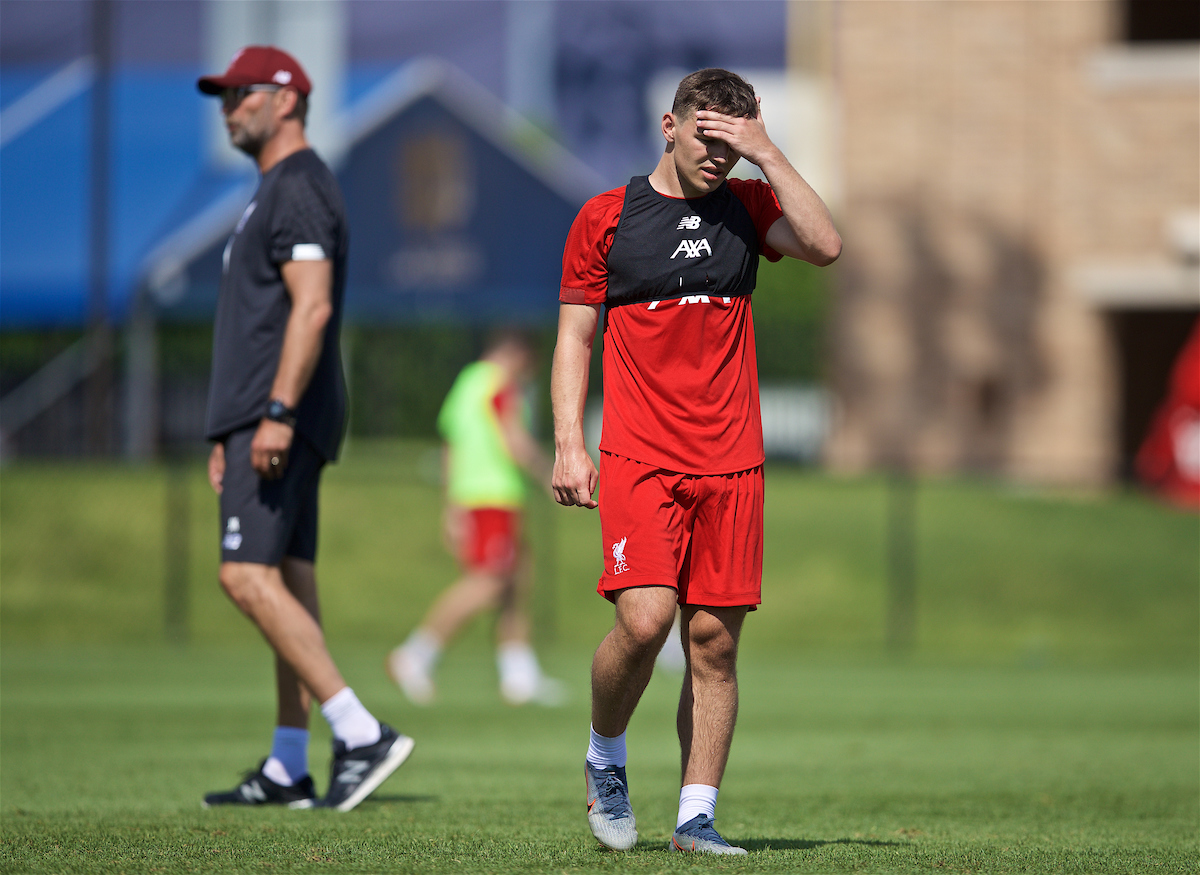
(277, 411)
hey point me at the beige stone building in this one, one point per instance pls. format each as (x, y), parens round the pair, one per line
(1019, 196)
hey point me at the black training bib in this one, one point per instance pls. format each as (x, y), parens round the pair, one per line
(667, 247)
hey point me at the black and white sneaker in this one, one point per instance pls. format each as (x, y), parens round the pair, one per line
(355, 773)
(257, 789)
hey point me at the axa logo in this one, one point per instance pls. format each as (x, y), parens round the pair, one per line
(233, 534)
(618, 551)
(691, 223)
(693, 248)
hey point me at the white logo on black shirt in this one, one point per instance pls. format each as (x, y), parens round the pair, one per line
(238, 230)
(691, 223)
(245, 217)
(693, 248)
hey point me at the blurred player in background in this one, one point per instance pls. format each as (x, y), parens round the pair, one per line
(276, 411)
(1168, 460)
(484, 423)
(673, 259)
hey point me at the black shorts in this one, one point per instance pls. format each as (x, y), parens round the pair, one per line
(263, 521)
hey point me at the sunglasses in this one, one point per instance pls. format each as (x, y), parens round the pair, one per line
(231, 98)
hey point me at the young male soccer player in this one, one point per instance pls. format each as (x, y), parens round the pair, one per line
(488, 443)
(673, 258)
(276, 412)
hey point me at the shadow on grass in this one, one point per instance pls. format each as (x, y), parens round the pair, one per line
(400, 797)
(756, 845)
(812, 844)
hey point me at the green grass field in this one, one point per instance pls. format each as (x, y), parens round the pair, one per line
(1046, 720)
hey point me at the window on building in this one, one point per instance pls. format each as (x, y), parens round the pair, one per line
(1148, 21)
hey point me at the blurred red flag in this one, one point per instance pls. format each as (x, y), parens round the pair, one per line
(1169, 458)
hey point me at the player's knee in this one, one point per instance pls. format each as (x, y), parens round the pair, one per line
(712, 651)
(647, 632)
(718, 660)
(240, 584)
(506, 593)
(490, 588)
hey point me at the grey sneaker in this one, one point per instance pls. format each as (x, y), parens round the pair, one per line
(698, 835)
(609, 813)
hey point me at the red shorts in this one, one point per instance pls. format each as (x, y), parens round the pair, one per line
(489, 539)
(698, 533)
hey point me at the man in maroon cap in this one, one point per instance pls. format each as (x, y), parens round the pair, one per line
(276, 414)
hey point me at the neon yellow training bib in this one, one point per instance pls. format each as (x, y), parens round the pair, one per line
(482, 472)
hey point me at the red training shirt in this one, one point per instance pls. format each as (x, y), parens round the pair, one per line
(680, 374)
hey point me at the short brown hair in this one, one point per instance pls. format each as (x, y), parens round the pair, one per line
(715, 89)
(300, 110)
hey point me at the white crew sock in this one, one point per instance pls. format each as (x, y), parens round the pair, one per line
(350, 722)
(696, 799)
(423, 649)
(604, 751)
(288, 762)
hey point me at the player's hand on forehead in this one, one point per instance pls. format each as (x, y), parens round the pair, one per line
(747, 136)
(715, 116)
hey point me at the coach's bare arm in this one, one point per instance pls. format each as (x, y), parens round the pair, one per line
(575, 475)
(310, 286)
(806, 230)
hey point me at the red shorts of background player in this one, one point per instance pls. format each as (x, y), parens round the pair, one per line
(698, 533)
(489, 539)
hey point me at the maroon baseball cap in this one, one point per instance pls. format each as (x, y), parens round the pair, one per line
(258, 65)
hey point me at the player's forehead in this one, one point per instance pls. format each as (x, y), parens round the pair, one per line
(687, 124)
(687, 114)
(686, 117)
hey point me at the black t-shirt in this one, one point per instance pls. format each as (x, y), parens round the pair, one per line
(297, 214)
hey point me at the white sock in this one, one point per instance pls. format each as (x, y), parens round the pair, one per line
(423, 649)
(605, 751)
(517, 664)
(350, 722)
(696, 799)
(288, 762)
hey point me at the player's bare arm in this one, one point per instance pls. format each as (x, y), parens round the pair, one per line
(523, 448)
(806, 230)
(454, 524)
(575, 476)
(310, 286)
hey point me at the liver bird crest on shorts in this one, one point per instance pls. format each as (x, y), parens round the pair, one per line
(619, 563)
